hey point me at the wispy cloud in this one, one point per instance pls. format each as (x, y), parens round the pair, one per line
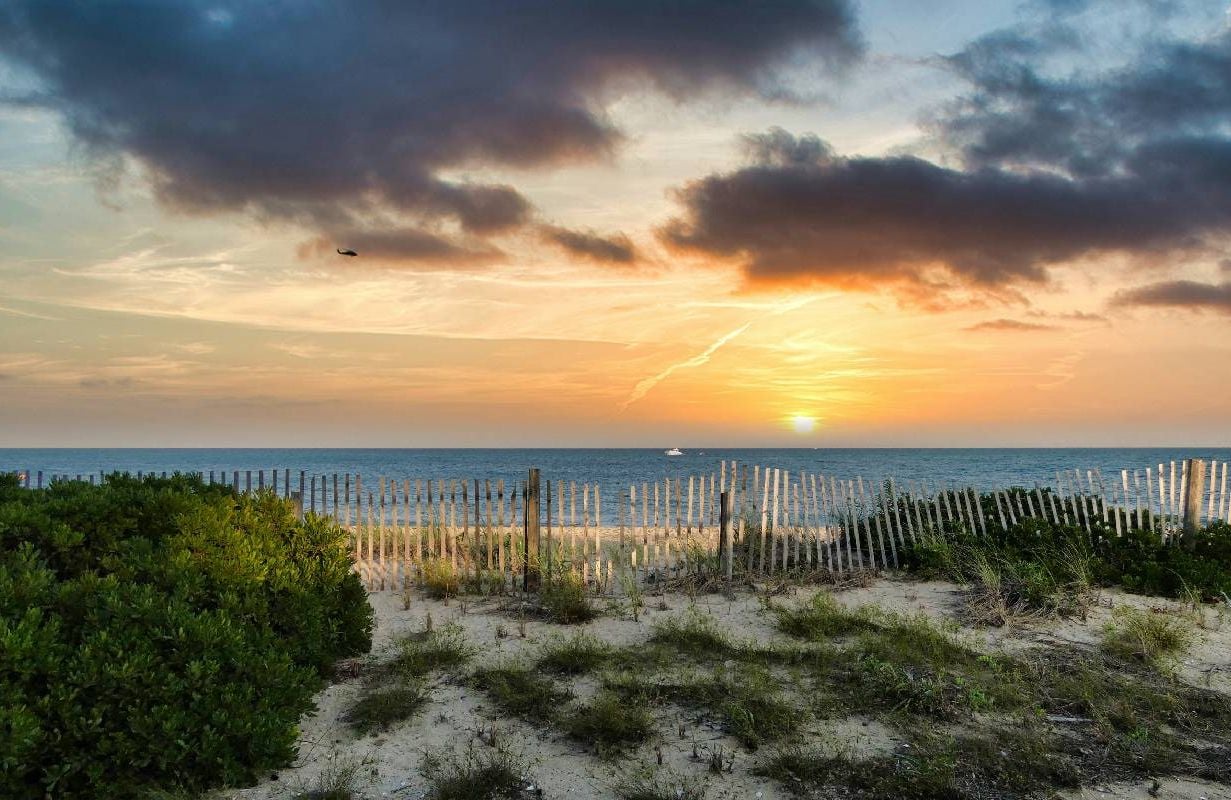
(16, 312)
(1009, 325)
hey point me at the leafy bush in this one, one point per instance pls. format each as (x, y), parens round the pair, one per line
(1141, 562)
(1045, 567)
(162, 633)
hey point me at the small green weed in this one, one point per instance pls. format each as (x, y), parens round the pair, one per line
(633, 593)
(441, 648)
(582, 653)
(660, 787)
(440, 580)
(609, 723)
(823, 618)
(474, 774)
(520, 691)
(694, 633)
(749, 702)
(379, 707)
(1157, 639)
(339, 779)
(564, 600)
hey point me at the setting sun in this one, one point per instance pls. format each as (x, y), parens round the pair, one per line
(803, 423)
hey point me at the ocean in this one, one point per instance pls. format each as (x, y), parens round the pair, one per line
(980, 468)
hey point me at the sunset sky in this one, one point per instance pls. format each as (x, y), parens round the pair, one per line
(625, 223)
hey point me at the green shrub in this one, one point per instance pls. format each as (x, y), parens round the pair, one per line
(162, 633)
(1141, 562)
(1042, 566)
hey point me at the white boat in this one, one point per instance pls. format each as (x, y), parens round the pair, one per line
(674, 451)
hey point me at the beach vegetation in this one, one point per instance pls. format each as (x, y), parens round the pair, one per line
(381, 706)
(432, 649)
(693, 633)
(574, 656)
(564, 600)
(661, 786)
(609, 723)
(519, 690)
(339, 779)
(487, 773)
(440, 579)
(162, 634)
(1155, 638)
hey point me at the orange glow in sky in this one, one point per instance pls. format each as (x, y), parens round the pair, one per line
(790, 240)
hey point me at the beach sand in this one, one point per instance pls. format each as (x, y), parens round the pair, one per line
(562, 768)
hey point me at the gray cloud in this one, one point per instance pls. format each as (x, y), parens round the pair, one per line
(613, 249)
(1191, 295)
(331, 116)
(1051, 165)
(853, 221)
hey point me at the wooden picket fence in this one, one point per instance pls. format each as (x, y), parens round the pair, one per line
(652, 532)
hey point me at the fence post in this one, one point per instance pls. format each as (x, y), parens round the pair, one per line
(1192, 501)
(531, 517)
(724, 533)
(297, 500)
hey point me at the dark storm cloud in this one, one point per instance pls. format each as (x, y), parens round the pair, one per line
(614, 249)
(1191, 295)
(321, 113)
(1050, 165)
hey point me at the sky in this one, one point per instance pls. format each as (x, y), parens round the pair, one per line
(812, 223)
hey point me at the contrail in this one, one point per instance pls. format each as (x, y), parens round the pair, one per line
(643, 388)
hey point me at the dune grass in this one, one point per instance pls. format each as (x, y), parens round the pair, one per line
(1153, 638)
